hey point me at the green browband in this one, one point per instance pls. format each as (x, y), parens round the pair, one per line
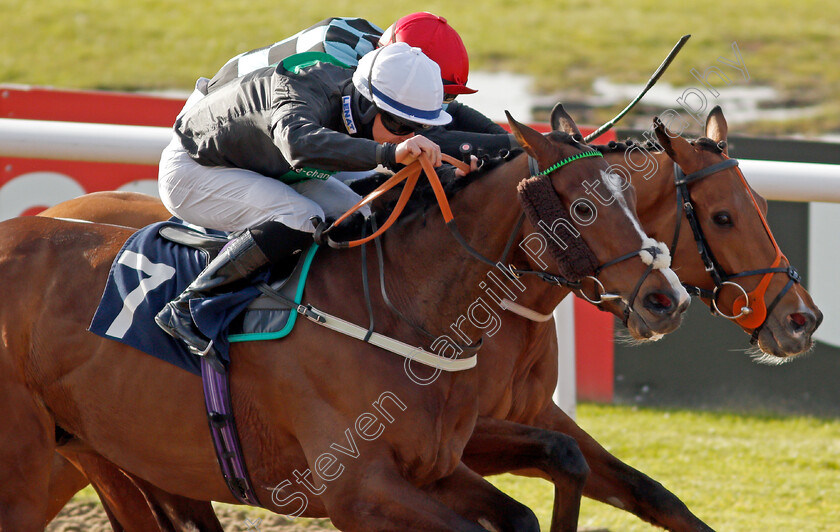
(567, 160)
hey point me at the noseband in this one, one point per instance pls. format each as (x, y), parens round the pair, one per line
(532, 193)
(749, 309)
(654, 254)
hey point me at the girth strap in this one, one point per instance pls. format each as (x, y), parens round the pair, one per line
(216, 384)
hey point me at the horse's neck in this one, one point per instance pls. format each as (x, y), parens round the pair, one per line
(533, 293)
(435, 268)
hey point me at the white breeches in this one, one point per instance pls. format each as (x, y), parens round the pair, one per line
(234, 199)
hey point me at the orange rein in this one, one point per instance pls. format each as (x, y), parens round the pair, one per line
(410, 174)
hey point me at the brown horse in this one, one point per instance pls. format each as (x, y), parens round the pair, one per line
(525, 396)
(740, 244)
(294, 399)
(129, 209)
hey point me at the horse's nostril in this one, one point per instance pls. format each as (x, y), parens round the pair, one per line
(800, 322)
(658, 302)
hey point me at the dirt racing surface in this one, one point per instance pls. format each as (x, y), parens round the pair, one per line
(88, 516)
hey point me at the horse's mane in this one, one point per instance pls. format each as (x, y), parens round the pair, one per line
(710, 145)
(423, 197)
(620, 147)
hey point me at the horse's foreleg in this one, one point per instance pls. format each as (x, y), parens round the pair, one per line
(65, 481)
(376, 498)
(498, 446)
(27, 443)
(125, 505)
(474, 498)
(133, 504)
(182, 513)
(613, 482)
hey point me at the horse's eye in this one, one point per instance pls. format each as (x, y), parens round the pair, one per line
(583, 210)
(723, 218)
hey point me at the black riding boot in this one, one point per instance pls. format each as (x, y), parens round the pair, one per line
(236, 262)
(270, 242)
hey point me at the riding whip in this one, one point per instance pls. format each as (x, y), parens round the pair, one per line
(651, 82)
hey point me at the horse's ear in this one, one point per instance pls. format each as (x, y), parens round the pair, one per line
(716, 128)
(532, 141)
(675, 146)
(561, 121)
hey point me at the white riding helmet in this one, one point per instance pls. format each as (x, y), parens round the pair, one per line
(404, 82)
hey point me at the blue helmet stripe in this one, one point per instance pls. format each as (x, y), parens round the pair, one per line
(418, 113)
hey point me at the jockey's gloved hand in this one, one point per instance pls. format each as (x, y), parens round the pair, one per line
(446, 172)
(473, 167)
(410, 149)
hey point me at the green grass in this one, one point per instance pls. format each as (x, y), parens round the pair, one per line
(160, 44)
(737, 473)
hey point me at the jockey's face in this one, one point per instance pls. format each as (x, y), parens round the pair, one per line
(382, 134)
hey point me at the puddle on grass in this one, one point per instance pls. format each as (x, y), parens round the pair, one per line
(498, 91)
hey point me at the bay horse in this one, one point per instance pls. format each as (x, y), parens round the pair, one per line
(525, 395)
(731, 216)
(61, 384)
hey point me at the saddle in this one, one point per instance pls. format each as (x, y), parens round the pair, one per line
(268, 316)
(158, 262)
(209, 243)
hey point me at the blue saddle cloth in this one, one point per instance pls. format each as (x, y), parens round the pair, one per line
(150, 271)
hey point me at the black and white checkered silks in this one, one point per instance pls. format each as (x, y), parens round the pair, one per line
(346, 39)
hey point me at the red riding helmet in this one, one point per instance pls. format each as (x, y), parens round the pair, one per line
(439, 42)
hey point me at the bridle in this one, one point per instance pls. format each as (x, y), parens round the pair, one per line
(749, 309)
(654, 254)
(649, 252)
